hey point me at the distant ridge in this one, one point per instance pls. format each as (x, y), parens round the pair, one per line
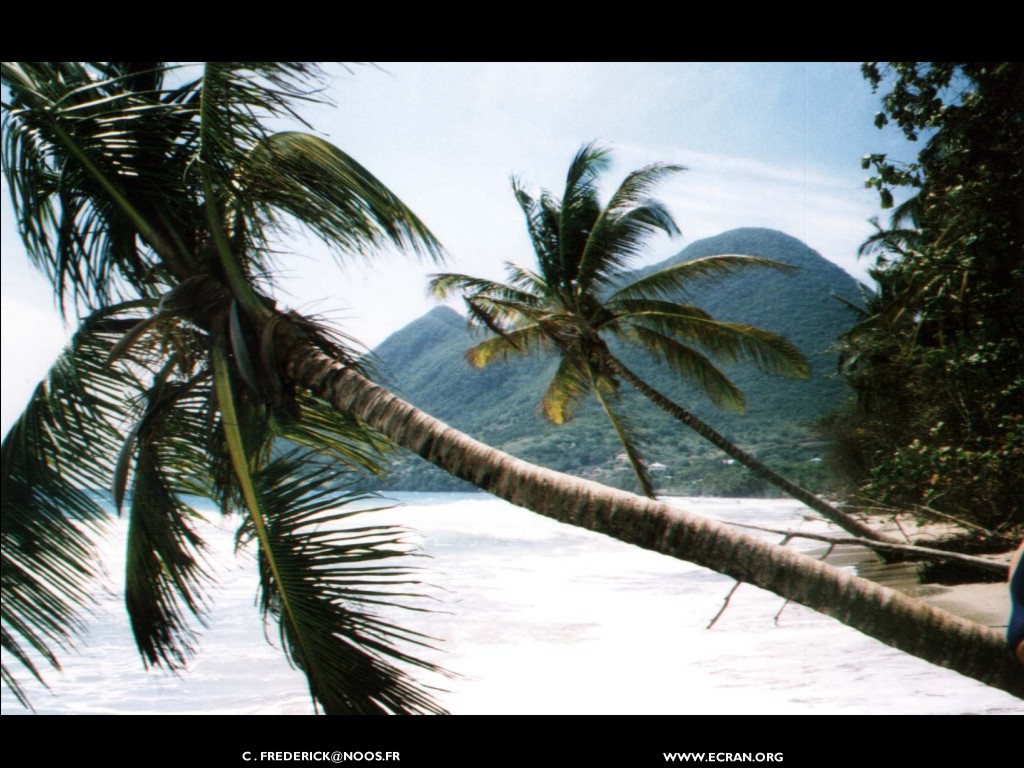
(425, 363)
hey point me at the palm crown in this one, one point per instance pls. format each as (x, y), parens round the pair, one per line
(579, 298)
(153, 197)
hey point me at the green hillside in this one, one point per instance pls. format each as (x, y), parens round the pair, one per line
(424, 362)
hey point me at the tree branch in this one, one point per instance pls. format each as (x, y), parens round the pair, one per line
(922, 553)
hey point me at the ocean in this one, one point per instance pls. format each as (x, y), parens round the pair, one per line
(531, 617)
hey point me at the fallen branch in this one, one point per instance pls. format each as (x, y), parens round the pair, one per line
(725, 604)
(927, 511)
(921, 553)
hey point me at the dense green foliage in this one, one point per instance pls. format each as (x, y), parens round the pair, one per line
(498, 404)
(937, 362)
(153, 196)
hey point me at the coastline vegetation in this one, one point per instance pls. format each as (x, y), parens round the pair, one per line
(936, 361)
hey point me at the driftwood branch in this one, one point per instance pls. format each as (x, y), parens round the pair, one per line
(920, 553)
(896, 519)
(927, 511)
(725, 604)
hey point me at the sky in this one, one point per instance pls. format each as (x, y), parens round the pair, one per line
(766, 145)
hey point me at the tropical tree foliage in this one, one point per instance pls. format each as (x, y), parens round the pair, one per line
(580, 298)
(938, 361)
(152, 196)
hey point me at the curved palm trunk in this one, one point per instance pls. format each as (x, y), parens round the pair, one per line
(893, 618)
(843, 520)
(631, 453)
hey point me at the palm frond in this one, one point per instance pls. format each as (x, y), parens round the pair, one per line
(626, 309)
(692, 366)
(164, 571)
(482, 313)
(82, 157)
(541, 222)
(445, 285)
(624, 226)
(321, 428)
(345, 654)
(59, 452)
(529, 282)
(674, 282)
(885, 242)
(169, 194)
(514, 343)
(325, 190)
(768, 351)
(335, 580)
(234, 101)
(590, 161)
(566, 391)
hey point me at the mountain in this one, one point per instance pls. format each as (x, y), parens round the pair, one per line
(424, 362)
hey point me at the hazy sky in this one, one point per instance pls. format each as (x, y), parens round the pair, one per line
(769, 145)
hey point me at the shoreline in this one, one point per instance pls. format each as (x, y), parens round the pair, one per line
(987, 604)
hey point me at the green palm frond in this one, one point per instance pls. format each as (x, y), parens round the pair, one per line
(541, 221)
(327, 588)
(624, 226)
(164, 572)
(692, 366)
(320, 187)
(674, 282)
(566, 391)
(622, 310)
(590, 161)
(234, 100)
(769, 352)
(528, 282)
(504, 309)
(82, 160)
(164, 185)
(732, 342)
(318, 582)
(485, 314)
(319, 427)
(444, 285)
(514, 343)
(579, 207)
(59, 452)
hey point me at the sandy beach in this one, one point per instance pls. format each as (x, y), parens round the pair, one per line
(984, 603)
(987, 604)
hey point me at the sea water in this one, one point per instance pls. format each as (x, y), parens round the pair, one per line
(535, 617)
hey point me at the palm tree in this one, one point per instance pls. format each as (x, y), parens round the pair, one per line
(154, 250)
(151, 197)
(580, 297)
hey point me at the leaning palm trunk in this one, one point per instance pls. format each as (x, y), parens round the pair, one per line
(909, 625)
(843, 520)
